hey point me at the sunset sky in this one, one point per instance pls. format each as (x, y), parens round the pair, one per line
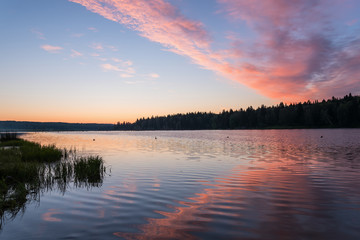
(117, 60)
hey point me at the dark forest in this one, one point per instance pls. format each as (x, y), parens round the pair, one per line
(333, 113)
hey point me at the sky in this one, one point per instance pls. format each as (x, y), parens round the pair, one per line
(106, 61)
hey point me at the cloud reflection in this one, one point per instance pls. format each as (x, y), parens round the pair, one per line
(271, 198)
(49, 216)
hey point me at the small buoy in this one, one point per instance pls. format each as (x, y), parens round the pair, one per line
(321, 137)
(93, 139)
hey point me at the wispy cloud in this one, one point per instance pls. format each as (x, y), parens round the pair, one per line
(112, 48)
(75, 53)
(38, 34)
(97, 46)
(110, 67)
(128, 63)
(296, 54)
(116, 60)
(94, 54)
(159, 21)
(52, 49)
(126, 71)
(77, 35)
(153, 75)
(126, 75)
(92, 29)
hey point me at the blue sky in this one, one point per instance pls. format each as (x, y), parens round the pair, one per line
(78, 62)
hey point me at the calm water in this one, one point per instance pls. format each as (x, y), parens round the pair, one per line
(270, 184)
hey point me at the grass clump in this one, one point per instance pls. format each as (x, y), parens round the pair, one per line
(35, 152)
(8, 136)
(31, 151)
(28, 168)
(89, 169)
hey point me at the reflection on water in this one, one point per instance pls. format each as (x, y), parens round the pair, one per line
(275, 184)
(18, 189)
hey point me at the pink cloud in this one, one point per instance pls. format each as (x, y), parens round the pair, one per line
(51, 49)
(126, 75)
(97, 46)
(110, 67)
(298, 51)
(38, 34)
(295, 55)
(154, 75)
(94, 54)
(112, 48)
(75, 53)
(126, 71)
(156, 20)
(92, 29)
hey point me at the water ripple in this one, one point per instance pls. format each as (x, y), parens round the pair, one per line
(276, 184)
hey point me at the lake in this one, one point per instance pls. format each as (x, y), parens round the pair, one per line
(241, 184)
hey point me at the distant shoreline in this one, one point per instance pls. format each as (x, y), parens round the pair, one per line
(333, 113)
(174, 130)
(25, 126)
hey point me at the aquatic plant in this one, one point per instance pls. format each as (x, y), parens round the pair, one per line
(89, 170)
(8, 136)
(28, 169)
(35, 152)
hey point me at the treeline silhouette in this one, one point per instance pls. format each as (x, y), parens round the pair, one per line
(52, 126)
(333, 113)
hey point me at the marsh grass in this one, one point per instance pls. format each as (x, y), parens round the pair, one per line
(35, 152)
(8, 136)
(28, 169)
(89, 171)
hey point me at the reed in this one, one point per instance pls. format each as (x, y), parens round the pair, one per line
(28, 168)
(89, 169)
(8, 136)
(35, 152)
